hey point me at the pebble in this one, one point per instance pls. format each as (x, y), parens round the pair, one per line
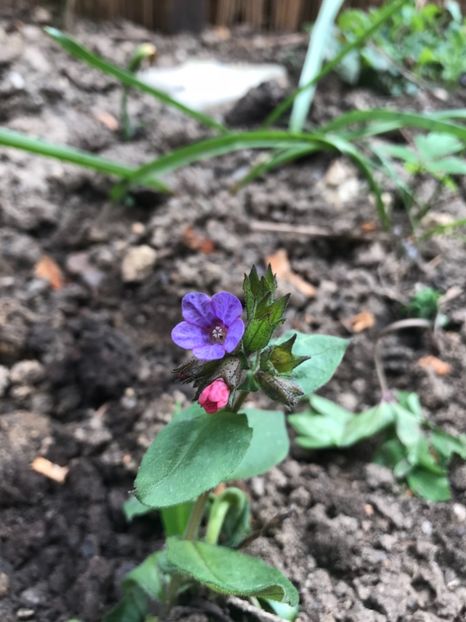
(137, 264)
(4, 379)
(459, 512)
(25, 614)
(27, 372)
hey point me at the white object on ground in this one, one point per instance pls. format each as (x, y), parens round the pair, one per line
(210, 84)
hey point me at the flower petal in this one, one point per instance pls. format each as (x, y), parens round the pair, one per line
(226, 307)
(197, 309)
(210, 352)
(189, 336)
(235, 333)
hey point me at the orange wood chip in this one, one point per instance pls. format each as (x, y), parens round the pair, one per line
(281, 266)
(439, 367)
(196, 242)
(107, 119)
(48, 269)
(49, 469)
(361, 322)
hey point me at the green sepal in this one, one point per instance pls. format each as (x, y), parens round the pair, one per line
(267, 317)
(278, 389)
(281, 357)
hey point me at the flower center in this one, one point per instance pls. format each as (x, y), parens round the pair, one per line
(218, 333)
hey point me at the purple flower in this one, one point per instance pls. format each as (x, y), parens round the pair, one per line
(212, 326)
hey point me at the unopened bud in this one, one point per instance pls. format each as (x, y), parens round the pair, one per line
(278, 389)
(215, 396)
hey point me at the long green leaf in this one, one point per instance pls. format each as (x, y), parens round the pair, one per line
(397, 119)
(78, 51)
(318, 42)
(384, 15)
(9, 138)
(220, 145)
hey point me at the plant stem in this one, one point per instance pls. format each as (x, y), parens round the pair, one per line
(391, 328)
(194, 522)
(239, 401)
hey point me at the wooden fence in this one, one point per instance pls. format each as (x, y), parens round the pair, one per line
(194, 15)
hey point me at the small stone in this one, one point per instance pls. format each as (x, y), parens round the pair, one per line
(458, 477)
(426, 527)
(459, 512)
(137, 264)
(4, 584)
(379, 476)
(4, 380)
(25, 614)
(27, 372)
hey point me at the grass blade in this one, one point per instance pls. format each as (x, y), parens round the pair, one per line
(397, 119)
(80, 52)
(318, 40)
(443, 229)
(389, 10)
(9, 138)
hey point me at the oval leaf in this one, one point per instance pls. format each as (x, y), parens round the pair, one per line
(325, 354)
(191, 456)
(229, 572)
(269, 444)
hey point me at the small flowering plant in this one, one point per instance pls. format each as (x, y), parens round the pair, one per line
(187, 472)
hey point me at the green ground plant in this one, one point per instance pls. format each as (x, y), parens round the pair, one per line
(216, 440)
(415, 47)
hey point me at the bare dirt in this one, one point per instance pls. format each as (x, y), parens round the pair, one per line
(86, 365)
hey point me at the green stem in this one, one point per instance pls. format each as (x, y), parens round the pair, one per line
(239, 401)
(215, 524)
(194, 522)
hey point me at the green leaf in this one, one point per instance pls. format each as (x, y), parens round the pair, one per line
(9, 138)
(447, 445)
(337, 427)
(132, 508)
(132, 607)
(191, 456)
(318, 42)
(269, 444)
(142, 584)
(385, 14)
(437, 145)
(325, 354)
(409, 431)
(367, 424)
(428, 485)
(390, 454)
(175, 518)
(229, 572)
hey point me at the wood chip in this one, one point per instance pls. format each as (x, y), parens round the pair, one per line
(107, 119)
(281, 266)
(48, 269)
(197, 242)
(433, 363)
(360, 322)
(49, 469)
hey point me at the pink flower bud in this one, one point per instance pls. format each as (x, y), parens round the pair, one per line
(215, 396)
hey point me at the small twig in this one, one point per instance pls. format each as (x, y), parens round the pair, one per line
(391, 328)
(312, 231)
(258, 614)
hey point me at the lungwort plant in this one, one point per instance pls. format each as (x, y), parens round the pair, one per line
(189, 471)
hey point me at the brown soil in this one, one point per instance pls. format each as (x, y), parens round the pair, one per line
(86, 367)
